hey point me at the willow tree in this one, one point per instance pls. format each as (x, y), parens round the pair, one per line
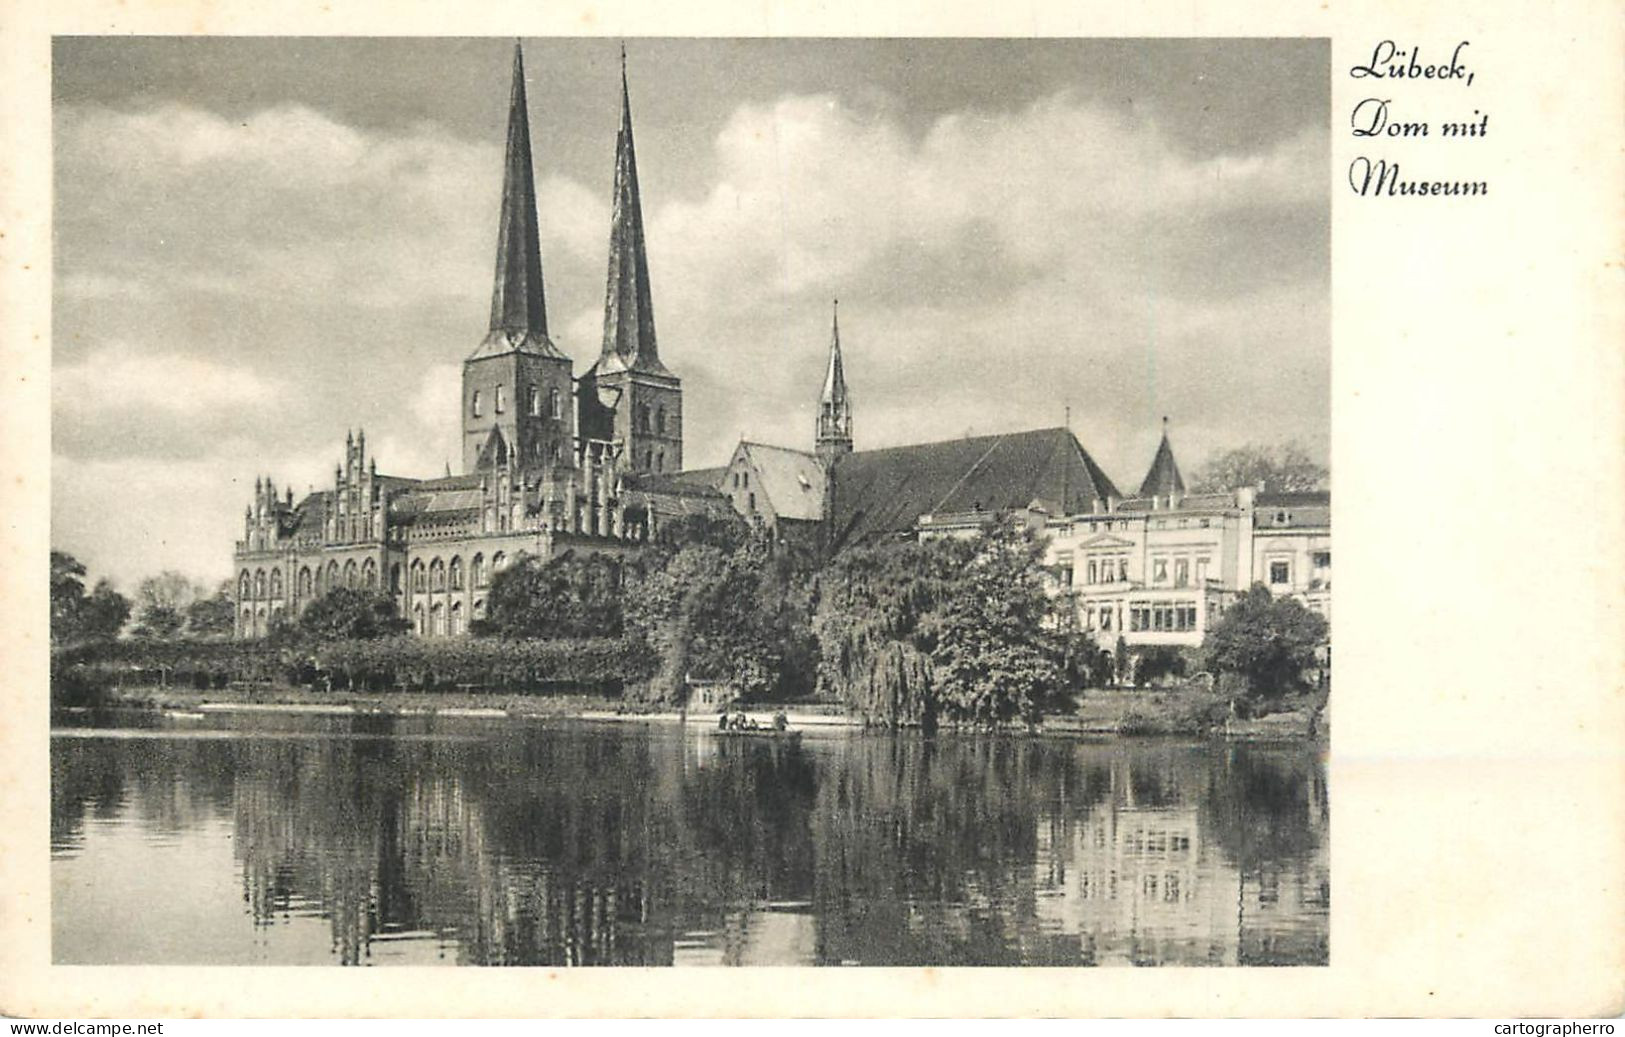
(876, 623)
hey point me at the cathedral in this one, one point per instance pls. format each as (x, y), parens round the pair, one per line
(550, 462)
(554, 463)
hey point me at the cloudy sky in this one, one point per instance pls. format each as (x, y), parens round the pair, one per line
(261, 243)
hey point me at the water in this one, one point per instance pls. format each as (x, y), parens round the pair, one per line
(276, 840)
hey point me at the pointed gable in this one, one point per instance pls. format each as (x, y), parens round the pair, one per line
(790, 482)
(884, 492)
(518, 305)
(629, 321)
(1163, 480)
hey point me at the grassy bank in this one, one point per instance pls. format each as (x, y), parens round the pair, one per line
(1189, 712)
(1171, 713)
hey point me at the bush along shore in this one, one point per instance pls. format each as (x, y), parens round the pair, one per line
(958, 634)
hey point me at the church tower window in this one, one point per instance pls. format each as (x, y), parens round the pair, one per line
(498, 402)
(534, 402)
(553, 410)
(476, 408)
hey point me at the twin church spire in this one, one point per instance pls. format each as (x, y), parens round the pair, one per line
(629, 319)
(518, 302)
(518, 298)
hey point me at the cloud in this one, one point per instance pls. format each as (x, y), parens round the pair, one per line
(994, 269)
(288, 201)
(119, 376)
(809, 194)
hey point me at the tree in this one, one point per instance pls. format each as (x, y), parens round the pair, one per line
(67, 596)
(739, 615)
(349, 613)
(568, 596)
(210, 618)
(76, 616)
(1265, 643)
(1287, 468)
(875, 624)
(104, 613)
(161, 604)
(997, 656)
(961, 629)
(159, 621)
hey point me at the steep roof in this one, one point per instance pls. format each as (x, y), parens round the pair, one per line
(1163, 479)
(629, 317)
(693, 478)
(880, 492)
(518, 306)
(791, 480)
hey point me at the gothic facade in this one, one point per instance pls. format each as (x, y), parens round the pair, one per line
(549, 462)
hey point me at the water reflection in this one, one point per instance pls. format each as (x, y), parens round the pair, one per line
(379, 840)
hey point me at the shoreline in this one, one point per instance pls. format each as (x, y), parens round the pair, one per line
(1091, 721)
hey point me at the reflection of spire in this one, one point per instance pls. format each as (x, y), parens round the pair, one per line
(629, 319)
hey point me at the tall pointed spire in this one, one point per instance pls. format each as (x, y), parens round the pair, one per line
(834, 406)
(629, 319)
(518, 307)
(1163, 480)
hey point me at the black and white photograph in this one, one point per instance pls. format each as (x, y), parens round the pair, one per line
(651, 502)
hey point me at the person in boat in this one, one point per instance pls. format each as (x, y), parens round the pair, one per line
(780, 721)
(722, 721)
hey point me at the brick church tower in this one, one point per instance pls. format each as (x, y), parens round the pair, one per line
(629, 396)
(516, 385)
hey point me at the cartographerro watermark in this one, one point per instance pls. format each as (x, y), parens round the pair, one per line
(1553, 1029)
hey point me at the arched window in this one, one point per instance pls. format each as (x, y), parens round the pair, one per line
(244, 586)
(276, 583)
(259, 584)
(660, 461)
(533, 401)
(498, 562)
(660, 421)
(304, 586)
(477, 407)
(553, 410)
(395, 578)
(248, 622)
(333, 575)
(456, 619)
(417, 621)
(437, 620)
(437, 575)
(419, 582)
(350, 574)
(479, 609)
(500, 402)
(456, 574)
(369, 575)
(476, 569)
(648, 459)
